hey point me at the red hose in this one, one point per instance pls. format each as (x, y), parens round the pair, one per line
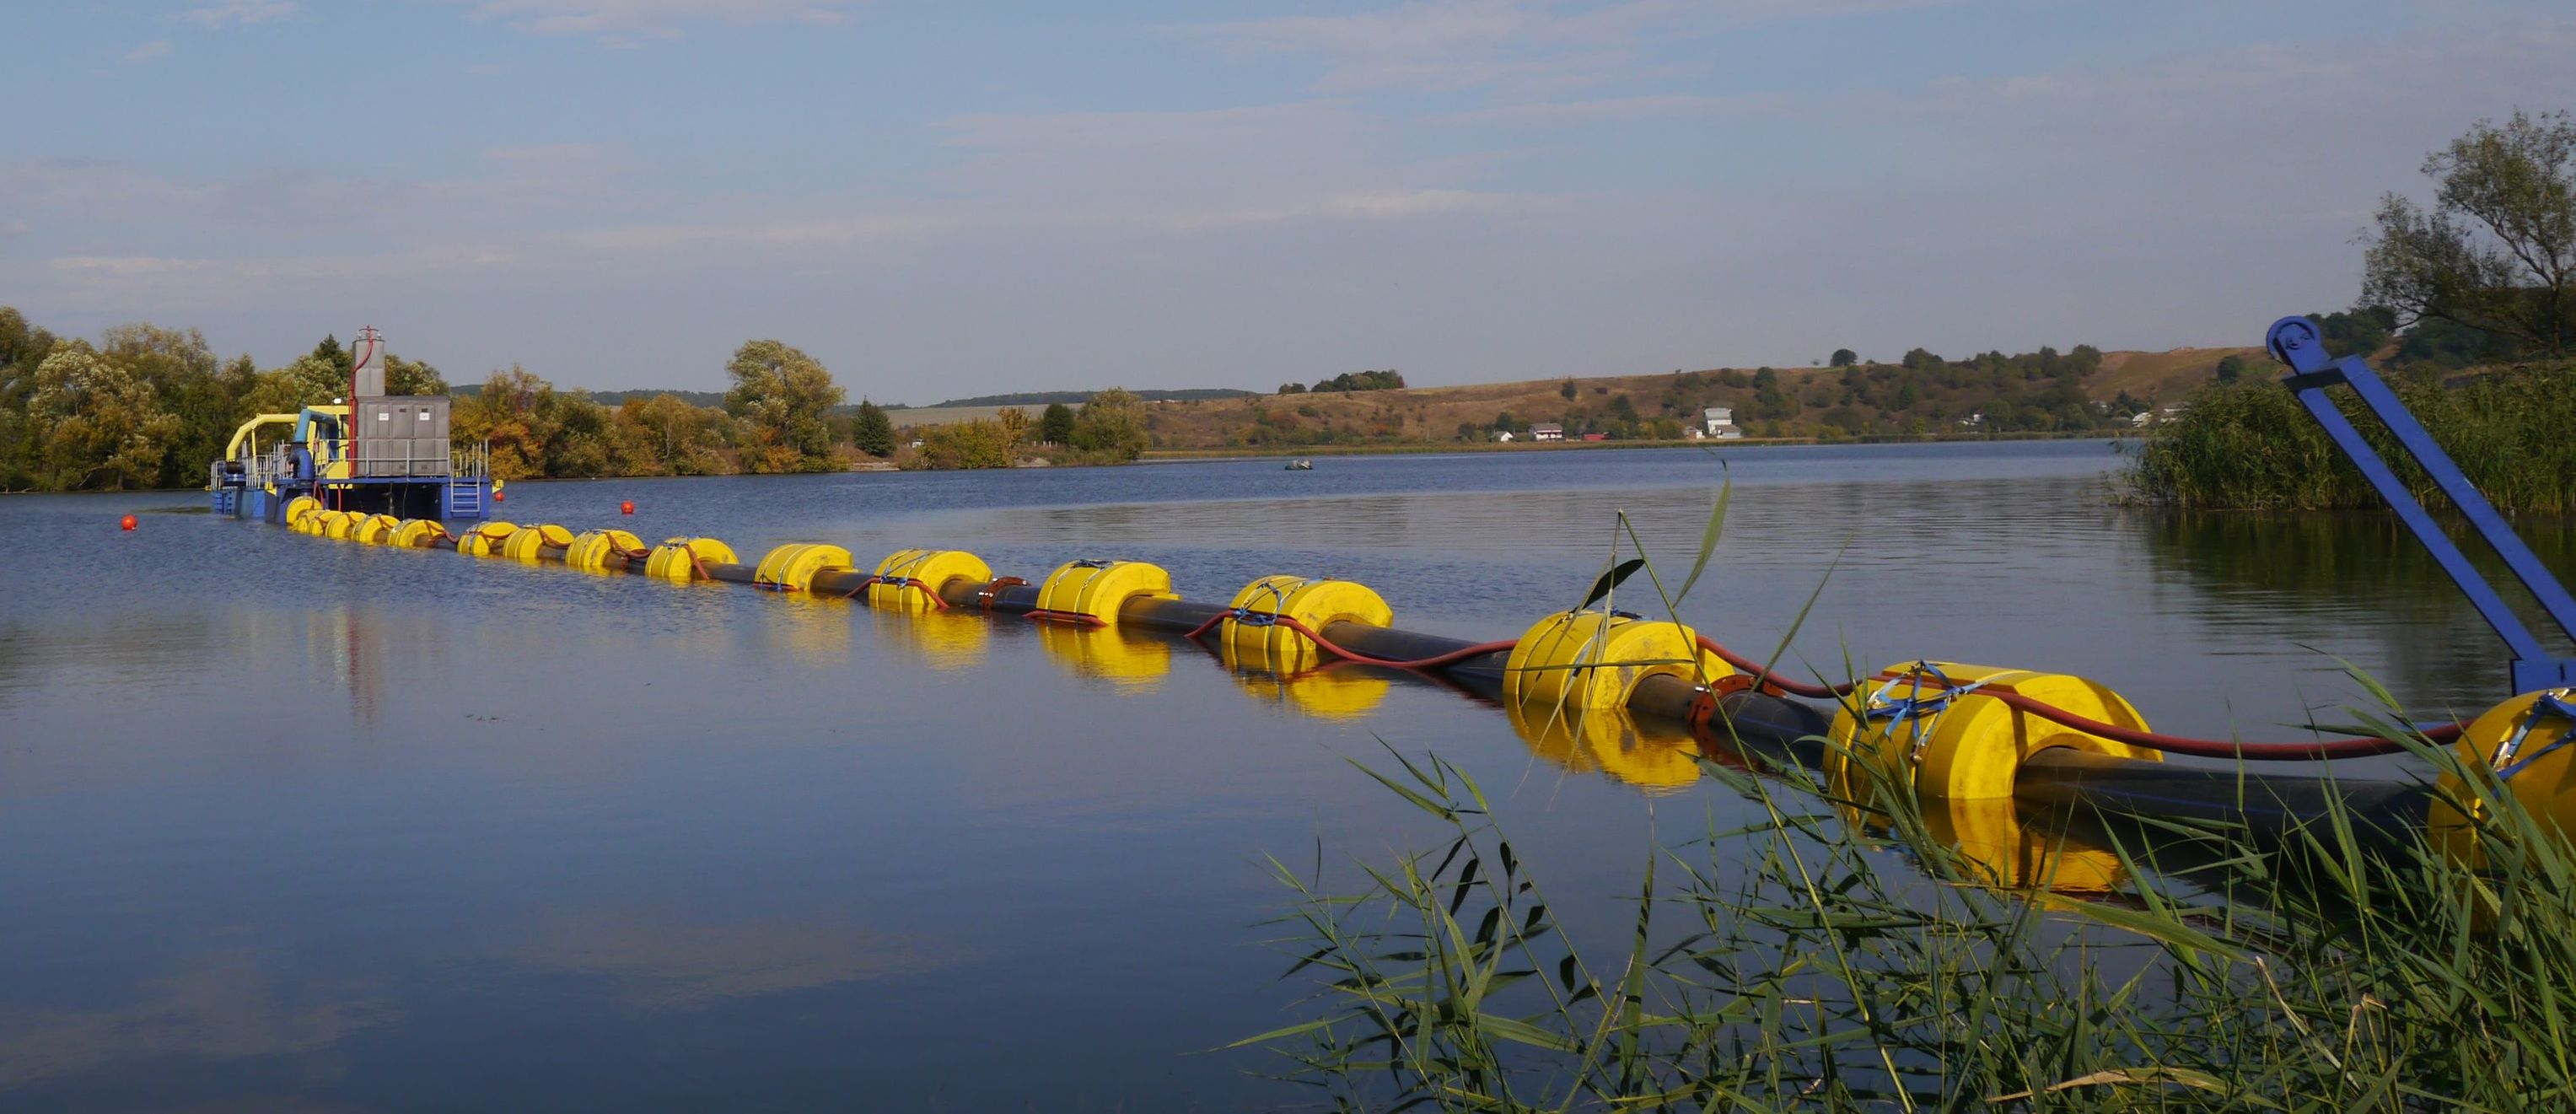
(2170, 744)
(1766, 677)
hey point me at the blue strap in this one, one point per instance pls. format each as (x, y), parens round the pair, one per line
(2549, 704)
(1915, 711)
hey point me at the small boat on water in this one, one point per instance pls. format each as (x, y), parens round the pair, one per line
(1301, 466)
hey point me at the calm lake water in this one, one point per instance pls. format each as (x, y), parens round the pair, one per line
(289, 823)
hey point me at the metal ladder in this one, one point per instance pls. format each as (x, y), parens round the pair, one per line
(2297, 342)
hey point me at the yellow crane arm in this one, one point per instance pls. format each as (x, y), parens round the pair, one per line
(232, 449)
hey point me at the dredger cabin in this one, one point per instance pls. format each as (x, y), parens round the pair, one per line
(367, 452)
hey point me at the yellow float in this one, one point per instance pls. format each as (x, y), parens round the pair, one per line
(910, 579)
(528, 543)
(1092, 592)
(1940, 728)
(376, 529)
(793, 567)
(681, 559)
(2527, 742)
(1253, 637)
(485, 540)
(418, 533)
(593, 550)
(1594, 659)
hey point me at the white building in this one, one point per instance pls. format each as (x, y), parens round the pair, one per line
(1720, 422)
(1547, 431)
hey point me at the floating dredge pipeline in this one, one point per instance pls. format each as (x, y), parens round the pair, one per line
(1966, 741)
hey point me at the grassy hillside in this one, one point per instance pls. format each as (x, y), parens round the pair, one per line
(2041, 392)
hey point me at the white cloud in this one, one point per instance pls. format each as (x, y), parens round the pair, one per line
(157, 48)
(1604, 109)
(225, 13)
(621, 21)
(1523, 44)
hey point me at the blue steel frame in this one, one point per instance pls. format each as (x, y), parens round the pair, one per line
(2297, 342)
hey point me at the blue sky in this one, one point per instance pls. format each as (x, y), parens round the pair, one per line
(953, 199)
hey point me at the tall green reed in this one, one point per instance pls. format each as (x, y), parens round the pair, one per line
(1836, 954)
(2250, 446)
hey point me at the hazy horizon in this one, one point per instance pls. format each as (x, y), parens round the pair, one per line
(941, 203)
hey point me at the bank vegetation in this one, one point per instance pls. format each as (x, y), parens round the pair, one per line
(143, 406)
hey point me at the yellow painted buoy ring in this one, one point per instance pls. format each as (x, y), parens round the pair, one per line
(1252, 638)
(1931, 726)
(680, 558)
(418, 533)
(1594, 659)
(375, 529)
(1092, 592)
(485, 540)
(528, 543)
(910, 579)
(592, 551)
(793, 567)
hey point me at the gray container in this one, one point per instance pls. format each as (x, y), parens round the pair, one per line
(402, 436)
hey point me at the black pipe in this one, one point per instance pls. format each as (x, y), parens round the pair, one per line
(2053, 782)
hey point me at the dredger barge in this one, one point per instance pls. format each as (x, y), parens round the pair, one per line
(1977, 747)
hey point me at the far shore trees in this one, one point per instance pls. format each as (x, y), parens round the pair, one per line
(873, 432)
(785, 396)
(1055, 426)
(1112, 423)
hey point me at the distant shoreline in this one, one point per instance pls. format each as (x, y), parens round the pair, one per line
(1414, 448)
(1265, 452)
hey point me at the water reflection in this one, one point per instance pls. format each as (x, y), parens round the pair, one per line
(946, 640)
(228, 1005)
(1128, 663)
(657, 962)
(1324, 693)
(1608, 741)
(2327, 577)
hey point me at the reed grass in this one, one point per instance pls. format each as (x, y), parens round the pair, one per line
(1834, 954)
(2250, 446)
(1795, 964)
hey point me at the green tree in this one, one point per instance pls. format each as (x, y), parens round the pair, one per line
(874, 432)
(181, 371)
(683, 440)
(1111, 423)
(515, 414)
(2497, 250)
(2231, 368)
(330, 352)
(1844, 357)
(783, 394)
(93, 423)
(1055, 426)
(981, 443)
(1569, 390)
(412, 377)
(1015, 427)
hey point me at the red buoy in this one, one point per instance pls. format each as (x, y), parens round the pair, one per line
(498, 496)
(627, 507)
(127, 523)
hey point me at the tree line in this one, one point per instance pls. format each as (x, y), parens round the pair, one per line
(144, 406)
(2470, 304)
